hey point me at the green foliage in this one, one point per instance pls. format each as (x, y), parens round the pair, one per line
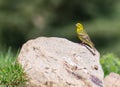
(11, 73)
(110, 63)
(23, 19)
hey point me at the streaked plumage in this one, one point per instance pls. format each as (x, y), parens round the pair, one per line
(83, 36)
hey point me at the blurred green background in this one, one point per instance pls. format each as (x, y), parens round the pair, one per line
(21, 20)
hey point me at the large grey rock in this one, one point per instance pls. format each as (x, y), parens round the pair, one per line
(112, 80)
(58, 62)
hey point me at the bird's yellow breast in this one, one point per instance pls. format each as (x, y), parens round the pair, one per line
(79, 27)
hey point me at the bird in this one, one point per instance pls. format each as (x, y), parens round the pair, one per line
(83, 36)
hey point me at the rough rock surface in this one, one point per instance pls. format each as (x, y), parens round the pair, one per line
(112, 80)
(57, 62)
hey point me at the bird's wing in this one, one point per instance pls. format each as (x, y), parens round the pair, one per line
(86, 38)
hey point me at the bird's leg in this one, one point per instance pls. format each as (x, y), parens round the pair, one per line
(82, 44)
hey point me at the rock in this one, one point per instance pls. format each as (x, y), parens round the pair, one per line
(112, 80)
(57, 62)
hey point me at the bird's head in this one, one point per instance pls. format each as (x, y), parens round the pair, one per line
(79, 27)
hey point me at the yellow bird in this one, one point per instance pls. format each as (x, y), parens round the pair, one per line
(83, 36)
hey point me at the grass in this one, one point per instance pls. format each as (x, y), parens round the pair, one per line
(110, 63)
(11, 73)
